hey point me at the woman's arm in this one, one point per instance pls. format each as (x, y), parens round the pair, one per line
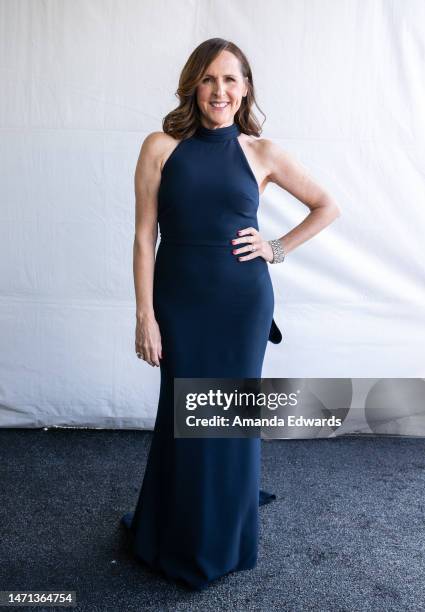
(146, 183)
(289, 174)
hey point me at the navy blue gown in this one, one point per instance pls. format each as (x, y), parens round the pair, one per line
(196, 518)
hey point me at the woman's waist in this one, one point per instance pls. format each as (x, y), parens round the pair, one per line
(206, 260)
(199, 239)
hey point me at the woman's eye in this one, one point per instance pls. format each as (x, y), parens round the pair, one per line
(208, 78)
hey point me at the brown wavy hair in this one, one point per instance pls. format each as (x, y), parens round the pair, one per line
(183, 121)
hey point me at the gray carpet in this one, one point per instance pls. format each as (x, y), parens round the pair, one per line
(346, 531)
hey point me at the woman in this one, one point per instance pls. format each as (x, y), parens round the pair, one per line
(205, 308)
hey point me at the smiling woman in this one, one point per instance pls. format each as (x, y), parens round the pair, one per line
(221, 90)
(204, 310)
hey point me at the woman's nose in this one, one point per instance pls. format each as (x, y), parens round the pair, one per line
(219, 89)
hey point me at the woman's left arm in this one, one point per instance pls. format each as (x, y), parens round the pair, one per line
(289, 174)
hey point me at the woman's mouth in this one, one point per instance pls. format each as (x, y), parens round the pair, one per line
(218, 106)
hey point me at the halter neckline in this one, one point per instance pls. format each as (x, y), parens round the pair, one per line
(218, 134)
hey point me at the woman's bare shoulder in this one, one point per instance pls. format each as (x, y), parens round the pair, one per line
(264, 146)
(269, 152)
(262, 149)
(261, 146)
(158, 146)
(157, 141)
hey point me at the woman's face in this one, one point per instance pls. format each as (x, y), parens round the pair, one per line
(221, 82)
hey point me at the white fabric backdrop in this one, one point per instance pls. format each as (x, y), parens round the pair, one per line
(342, 83)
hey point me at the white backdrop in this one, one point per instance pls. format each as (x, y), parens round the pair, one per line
(342, 83)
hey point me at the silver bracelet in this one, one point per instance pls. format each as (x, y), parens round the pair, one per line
(278, 253)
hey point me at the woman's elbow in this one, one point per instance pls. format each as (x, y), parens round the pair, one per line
(332, 209)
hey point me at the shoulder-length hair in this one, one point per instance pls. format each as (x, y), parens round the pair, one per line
(183, 121)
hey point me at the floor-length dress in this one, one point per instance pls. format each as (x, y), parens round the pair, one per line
(196, 518)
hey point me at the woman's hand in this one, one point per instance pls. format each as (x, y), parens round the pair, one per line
(148, 339)
(252, 236)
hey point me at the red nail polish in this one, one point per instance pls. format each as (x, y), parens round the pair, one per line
(233, 252)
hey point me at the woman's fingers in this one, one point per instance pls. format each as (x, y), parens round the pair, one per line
(151, 354)
(148, 343)
(151, 359)
(245, 244)
(247, 230)
(254, 248)
(154, 357)
(247, 249)
(252, 245)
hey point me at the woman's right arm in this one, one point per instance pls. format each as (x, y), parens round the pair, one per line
(146, 184)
